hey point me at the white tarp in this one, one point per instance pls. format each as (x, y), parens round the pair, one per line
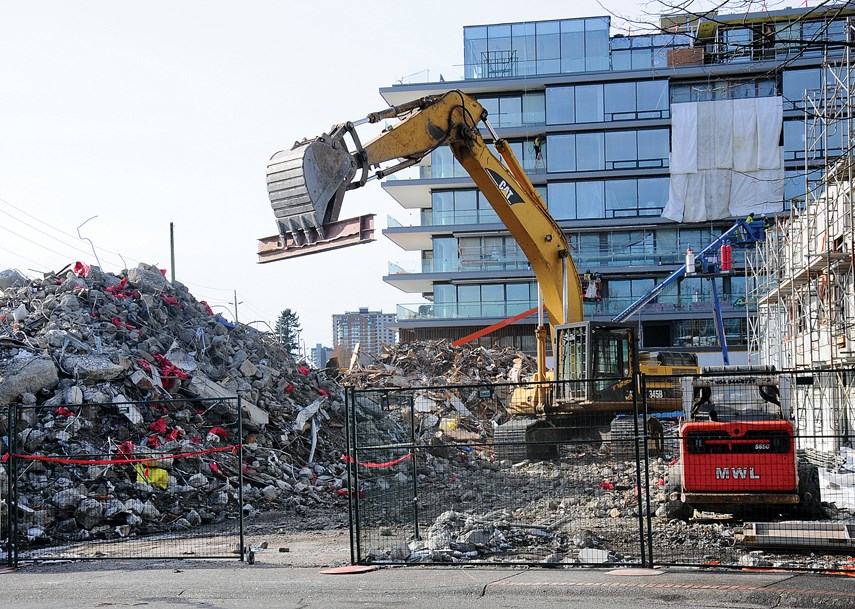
(726, 159)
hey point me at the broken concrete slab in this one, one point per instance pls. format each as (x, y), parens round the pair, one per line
(93, 367)
(204, 387)
(26, 373)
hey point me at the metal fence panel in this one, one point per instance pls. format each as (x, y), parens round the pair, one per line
(126, 480)
(758, 475)
(429, 487)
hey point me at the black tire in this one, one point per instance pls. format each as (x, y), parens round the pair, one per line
(810, 502)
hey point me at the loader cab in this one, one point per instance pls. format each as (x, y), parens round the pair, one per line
(595, 362)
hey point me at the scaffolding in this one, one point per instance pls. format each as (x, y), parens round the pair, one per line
(801, 279)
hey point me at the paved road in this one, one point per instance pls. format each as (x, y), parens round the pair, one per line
(228, 584)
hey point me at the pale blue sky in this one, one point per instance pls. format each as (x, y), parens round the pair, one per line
(148, 113)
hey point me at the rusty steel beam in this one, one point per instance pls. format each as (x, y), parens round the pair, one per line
(343, 233)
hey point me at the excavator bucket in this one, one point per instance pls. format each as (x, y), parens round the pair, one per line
(306, 186)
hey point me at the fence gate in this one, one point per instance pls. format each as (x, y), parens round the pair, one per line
(437, 475)
(430, 483)
(123, 480)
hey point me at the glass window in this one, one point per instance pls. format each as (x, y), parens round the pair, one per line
(534, 109)
(562, 153)
(474, 45)
(548, 47)
(621, 150)
(524, 44)
(794, 140)
(653, 148)
(466, 206)
(441, 162)
(445, 254)
(642, 59)
(620, 101)
(510, 109)
(491, 105)
(652, 193)
(442, 202)
(596, 44)
(621, 198)
(590, 155)
(621, 60)
(493, 298)
(520, 293)
(589, 104)
(651, 95)
(795, 83)
(573, 45)
(469, 300)
(562, 200)
(590, 197)
(560, 104)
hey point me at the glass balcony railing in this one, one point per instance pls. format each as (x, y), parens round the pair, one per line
(606, 307)
(485, 261)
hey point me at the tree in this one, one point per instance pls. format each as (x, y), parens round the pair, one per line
(288, 331)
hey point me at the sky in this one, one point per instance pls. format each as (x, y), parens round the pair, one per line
(119, 118)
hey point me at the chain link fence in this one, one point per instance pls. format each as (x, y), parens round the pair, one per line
(755, 470)
(157, 479)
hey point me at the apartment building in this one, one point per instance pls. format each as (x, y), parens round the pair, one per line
(368, 329)
(605, 104)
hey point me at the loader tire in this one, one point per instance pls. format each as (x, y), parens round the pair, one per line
(810, 503)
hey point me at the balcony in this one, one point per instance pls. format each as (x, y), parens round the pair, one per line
(665, 307)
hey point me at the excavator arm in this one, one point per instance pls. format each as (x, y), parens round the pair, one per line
(306, 184)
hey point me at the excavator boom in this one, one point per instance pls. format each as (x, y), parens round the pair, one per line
(306, 184)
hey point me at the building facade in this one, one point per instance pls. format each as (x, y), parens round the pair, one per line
(604, 105)
(368, 329)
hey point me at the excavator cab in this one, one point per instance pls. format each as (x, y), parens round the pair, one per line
(595, 364)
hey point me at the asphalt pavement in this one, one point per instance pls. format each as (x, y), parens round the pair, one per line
(194, 584)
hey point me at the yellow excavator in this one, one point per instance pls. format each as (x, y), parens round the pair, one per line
(595, 362)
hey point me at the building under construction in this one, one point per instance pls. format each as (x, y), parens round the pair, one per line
(802, 277)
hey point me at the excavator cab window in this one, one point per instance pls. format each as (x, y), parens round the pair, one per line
(572, 361)
(611, 358)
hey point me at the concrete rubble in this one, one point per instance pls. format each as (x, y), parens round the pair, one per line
(84, 353)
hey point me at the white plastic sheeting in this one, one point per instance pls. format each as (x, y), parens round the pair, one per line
(726, 159)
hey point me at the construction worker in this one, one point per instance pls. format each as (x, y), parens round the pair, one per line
(538, 144)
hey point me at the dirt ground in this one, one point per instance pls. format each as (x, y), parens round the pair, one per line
(317, 540)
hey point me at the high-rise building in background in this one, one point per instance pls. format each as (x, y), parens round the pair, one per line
(621, 117)
(320, 355)
(368, 329)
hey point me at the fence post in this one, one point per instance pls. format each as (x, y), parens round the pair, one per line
(646, 511)
(240, 478)
(349, 400)
(12, 500)
(415, 468)
(637, 387)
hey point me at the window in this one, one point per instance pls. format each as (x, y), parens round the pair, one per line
(573, 45)
(589, 104)
(591, 200)
(620, 101)
(560, 105)
(562, 153)
(562, 200)
(590, 152)
(445, 254)
(548, 47)
(653, 148)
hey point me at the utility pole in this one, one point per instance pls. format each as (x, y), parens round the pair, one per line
(172, 250)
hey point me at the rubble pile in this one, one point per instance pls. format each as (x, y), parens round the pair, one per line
(437, 363)
(103, 365)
